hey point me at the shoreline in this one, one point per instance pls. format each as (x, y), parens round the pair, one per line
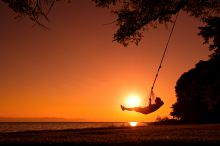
(208, 134)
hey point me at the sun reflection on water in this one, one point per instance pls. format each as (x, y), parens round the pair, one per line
(133, 124)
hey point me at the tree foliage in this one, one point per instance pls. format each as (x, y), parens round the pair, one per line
(197, 91)
(198, 94)
(35, 10)
(134, 15)
(211, 32)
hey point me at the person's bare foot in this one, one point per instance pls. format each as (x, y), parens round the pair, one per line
(122, 107)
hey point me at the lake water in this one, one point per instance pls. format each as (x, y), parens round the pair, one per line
(35, 126)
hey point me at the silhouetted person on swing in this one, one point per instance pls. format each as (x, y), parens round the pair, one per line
(158, 102)
(148, 109)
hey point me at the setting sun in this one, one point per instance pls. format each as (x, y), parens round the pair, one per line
(133, 100)
(133, 124)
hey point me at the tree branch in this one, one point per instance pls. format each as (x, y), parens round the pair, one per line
(155, 17)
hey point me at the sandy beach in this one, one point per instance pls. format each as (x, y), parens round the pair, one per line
(208, 134)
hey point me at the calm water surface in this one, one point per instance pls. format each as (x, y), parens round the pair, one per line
(35, 126)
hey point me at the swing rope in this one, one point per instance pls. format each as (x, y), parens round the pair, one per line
(164, 53)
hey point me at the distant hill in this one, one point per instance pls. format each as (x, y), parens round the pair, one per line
(39, 119)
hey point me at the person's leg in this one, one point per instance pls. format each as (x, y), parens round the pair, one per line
(129, 109)
(137, 109)
(125, 108)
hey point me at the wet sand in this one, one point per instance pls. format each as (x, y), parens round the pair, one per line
(155, 135)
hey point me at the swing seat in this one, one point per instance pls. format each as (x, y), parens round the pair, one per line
(153, 107)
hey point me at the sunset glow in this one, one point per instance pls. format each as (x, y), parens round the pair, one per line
(75, 72)
(133, 101)
(133, 124)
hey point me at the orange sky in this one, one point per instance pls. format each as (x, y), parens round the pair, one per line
(74, 70)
